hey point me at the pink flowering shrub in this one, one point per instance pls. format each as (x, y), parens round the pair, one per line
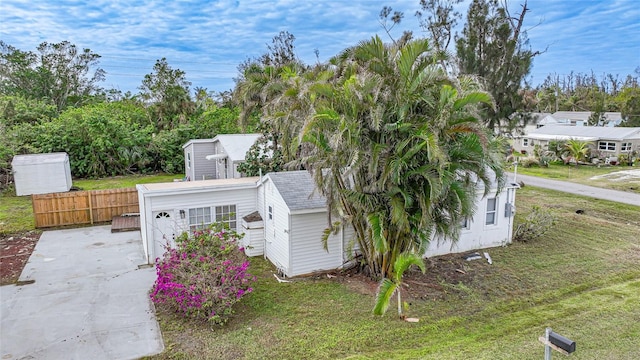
(204, 276)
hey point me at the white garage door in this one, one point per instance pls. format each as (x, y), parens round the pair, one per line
(163, 232)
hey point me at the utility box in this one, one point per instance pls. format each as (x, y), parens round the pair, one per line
(41, 173)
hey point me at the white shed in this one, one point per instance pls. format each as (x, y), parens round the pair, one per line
(41, 173)
(294, 220)
(169, 209)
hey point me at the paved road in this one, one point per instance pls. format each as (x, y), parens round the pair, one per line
(578, 189)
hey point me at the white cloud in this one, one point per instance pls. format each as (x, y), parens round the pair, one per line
(208, 39)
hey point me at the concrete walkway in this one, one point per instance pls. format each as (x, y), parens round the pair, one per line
(579, 189)
(89, 299)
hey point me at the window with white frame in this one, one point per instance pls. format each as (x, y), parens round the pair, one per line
(199, 218)
(270, 212)
(525, 142)
(226, 214)
(465, 224)
(492, 212)
(607, 146)
(188, 160)
(625, 147)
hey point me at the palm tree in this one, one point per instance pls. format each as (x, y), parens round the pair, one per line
(390, 286)
(397, 148)
(578, 149)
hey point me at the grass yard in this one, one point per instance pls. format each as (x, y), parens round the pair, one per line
(583, 174)
(16, 212)
(582, 279)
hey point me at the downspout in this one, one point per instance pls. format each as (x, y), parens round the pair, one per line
(512, 206)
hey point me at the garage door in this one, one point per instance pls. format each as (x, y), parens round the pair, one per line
(163, 232)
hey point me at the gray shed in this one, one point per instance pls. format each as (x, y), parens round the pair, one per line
(41, 173)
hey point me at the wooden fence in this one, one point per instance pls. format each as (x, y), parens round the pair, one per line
(83, 207)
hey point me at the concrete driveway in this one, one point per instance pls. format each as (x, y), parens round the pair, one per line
(89, 299)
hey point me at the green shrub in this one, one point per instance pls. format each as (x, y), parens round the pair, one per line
(536, 224)
(204, 276)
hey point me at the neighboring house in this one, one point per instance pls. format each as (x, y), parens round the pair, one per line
(216, 158)
(567, 118)
(582, 117)
(610, 141)
(283, 219)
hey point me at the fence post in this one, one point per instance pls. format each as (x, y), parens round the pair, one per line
(90, 207)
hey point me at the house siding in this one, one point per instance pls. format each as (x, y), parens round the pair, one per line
(203, 169)
(277, 246)
(480, 235)
(307, 252)
(243, 198)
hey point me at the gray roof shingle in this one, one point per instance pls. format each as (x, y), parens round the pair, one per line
(297, 190)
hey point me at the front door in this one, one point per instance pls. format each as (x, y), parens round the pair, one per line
(163, 233)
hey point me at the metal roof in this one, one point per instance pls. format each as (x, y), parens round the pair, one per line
(236, 145)
(585, 132)
(36, 159)
(297, 188)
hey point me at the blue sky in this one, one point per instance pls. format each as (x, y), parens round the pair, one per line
(208, 39)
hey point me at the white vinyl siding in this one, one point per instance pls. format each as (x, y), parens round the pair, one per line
(307, 252)
(244, 200)
(277, 229)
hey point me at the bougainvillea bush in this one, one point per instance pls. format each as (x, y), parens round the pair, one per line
(204, 275)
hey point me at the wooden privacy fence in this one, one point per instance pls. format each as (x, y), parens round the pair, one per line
(83, 207)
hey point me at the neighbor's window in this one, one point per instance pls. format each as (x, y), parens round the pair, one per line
(270, 213)
(492, 210)
(188, 160)
(199, 218)
(625, 147)
(607, 146)
(525, 142)
(226, 214)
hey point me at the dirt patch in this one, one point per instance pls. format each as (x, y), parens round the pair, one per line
(447, 274)
(15, 251)
(624, 175)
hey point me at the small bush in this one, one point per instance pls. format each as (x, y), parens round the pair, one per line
(536, 224)
(204, 276)
(529, 161)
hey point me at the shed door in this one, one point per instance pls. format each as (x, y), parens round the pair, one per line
(163, 232)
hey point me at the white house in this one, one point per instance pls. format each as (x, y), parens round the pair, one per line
(283, 219)
(169, 209)
(608, 140)
(216, 158)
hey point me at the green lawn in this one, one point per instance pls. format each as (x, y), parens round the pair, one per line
(16, 212)
(582, 279)
(583, 174)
